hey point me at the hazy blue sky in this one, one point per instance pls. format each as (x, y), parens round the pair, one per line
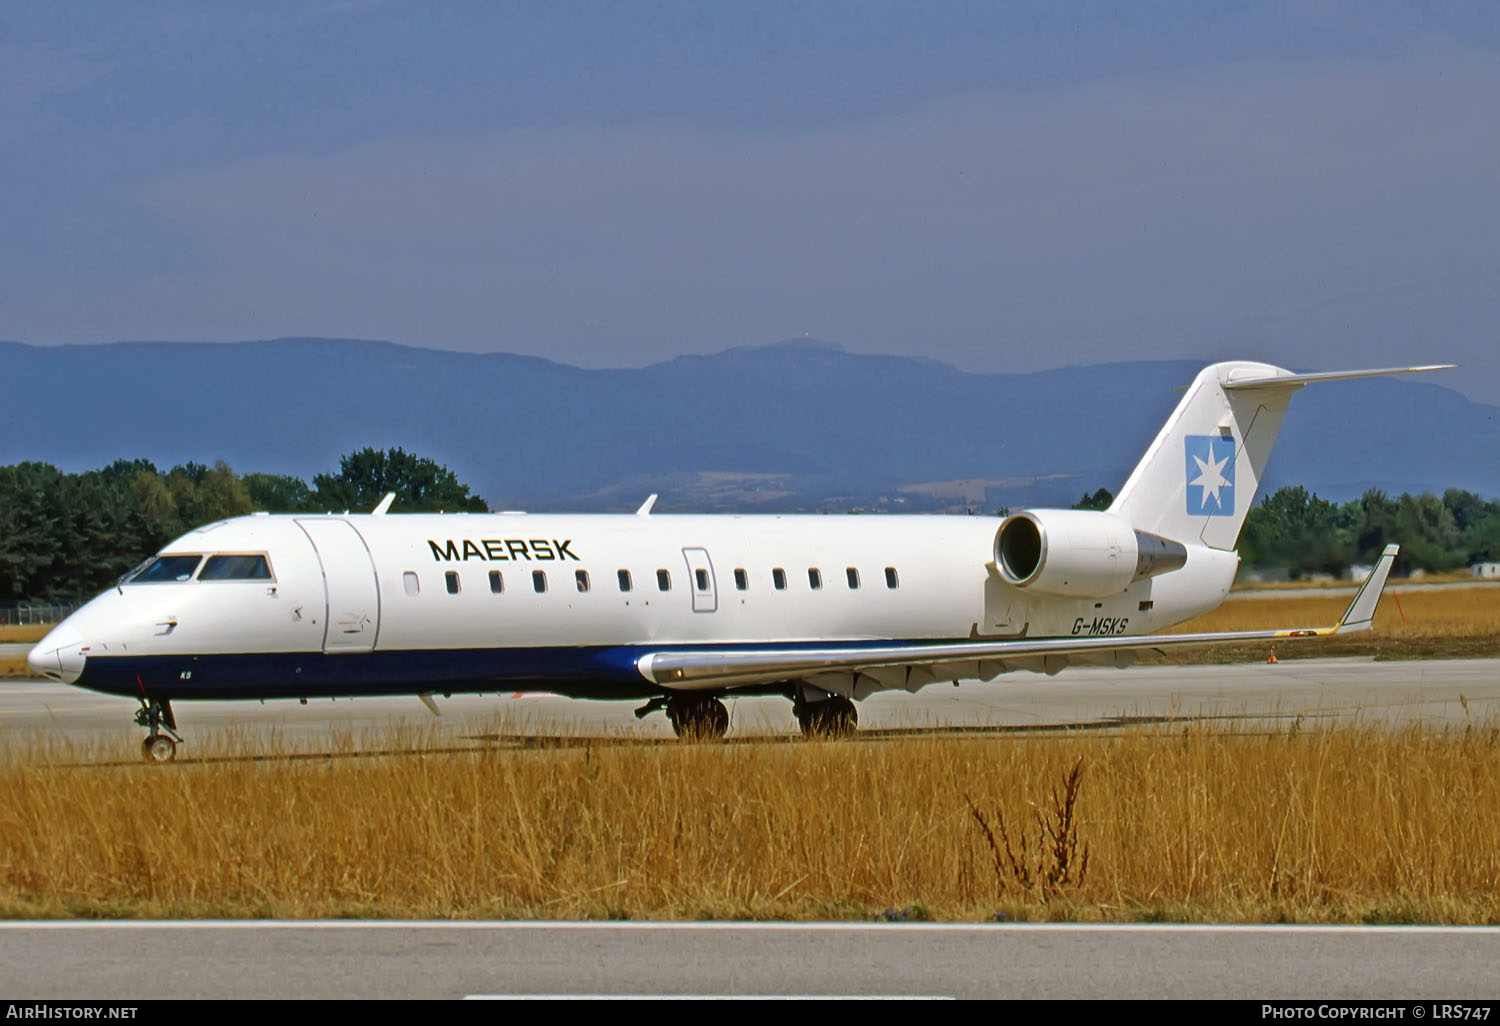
(997, 185)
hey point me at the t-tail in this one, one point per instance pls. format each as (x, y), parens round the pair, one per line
(1200, 476)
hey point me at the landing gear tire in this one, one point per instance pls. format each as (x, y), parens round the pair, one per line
(833, 718)
(159, 748)
(697, 719)
(155, 714)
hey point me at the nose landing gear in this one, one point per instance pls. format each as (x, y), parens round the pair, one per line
(155, 715)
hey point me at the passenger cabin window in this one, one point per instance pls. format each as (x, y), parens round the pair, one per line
(701, 577)
(891, 580)
(814, 578)
(624, 576)
(539, 581)
(853, 576)
(741, 579)
(497, 582)
(235, 568)
(167, 568)
(778, 579)
(452, 578)
(581, 577)
(663, 581)
(410, 583)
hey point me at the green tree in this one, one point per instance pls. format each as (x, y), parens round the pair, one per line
(99, 535)
(28, 529)
(1099, 499)
(279, 493)
(1482, 539)
(421, 485)
(1465, 507)
(1424, 527)
(1374, 527)
(1297, 530)
(221, 495)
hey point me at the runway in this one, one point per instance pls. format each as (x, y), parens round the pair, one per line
(1252, 696)
(342, 959)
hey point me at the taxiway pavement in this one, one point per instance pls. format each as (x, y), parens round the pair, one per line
(1252, 696)
(121, 961)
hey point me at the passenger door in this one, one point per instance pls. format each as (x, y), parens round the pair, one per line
(352, 613)
(701, 580)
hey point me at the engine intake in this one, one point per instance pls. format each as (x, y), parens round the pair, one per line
(1080, 552)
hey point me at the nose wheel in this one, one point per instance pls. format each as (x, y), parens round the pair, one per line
(155, 715)
(160, 748)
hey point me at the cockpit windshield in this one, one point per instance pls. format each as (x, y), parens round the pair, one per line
(235, 568)
(167, 568)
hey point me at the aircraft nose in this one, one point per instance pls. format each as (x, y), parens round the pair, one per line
(43, 662)
(63, 664)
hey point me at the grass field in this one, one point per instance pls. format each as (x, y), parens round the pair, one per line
(15, 666)
(1336, 826)
(31, 632)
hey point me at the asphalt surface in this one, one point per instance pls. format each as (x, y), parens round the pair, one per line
(1253, 696)
(123, 961)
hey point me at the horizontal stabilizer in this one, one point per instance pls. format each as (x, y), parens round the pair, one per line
(1298, 380)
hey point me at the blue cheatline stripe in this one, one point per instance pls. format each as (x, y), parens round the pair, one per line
(581, 671)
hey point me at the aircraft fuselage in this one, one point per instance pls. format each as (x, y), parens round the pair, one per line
(371, 604)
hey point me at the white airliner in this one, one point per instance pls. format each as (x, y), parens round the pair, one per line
(681, 611)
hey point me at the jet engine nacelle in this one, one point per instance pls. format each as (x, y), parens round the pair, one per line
(1086, 553)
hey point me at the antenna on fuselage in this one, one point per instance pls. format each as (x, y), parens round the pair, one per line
(645, 509)
(385, 504)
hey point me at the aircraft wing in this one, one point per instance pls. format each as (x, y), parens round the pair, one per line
(860, 669)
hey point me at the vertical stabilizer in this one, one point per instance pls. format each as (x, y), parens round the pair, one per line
(1199, 477)
(1201, 474)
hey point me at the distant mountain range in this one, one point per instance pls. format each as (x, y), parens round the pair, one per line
(794, 426)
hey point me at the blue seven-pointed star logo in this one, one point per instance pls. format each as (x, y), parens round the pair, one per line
(1210, 476)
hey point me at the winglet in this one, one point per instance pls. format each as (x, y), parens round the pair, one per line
(385, 504)
(645, 509)
(1361, 611)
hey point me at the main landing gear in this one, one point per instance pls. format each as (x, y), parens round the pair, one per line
(155, 714)
(697, 717)
(831, 717)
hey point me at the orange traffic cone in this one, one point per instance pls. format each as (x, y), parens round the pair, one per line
(1272, 657)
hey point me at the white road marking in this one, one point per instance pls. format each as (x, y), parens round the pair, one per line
(721, 925)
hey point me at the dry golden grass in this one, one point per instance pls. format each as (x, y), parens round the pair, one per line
(10, 632)
(15, 666)
(1433, 577)
(1343, 825)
